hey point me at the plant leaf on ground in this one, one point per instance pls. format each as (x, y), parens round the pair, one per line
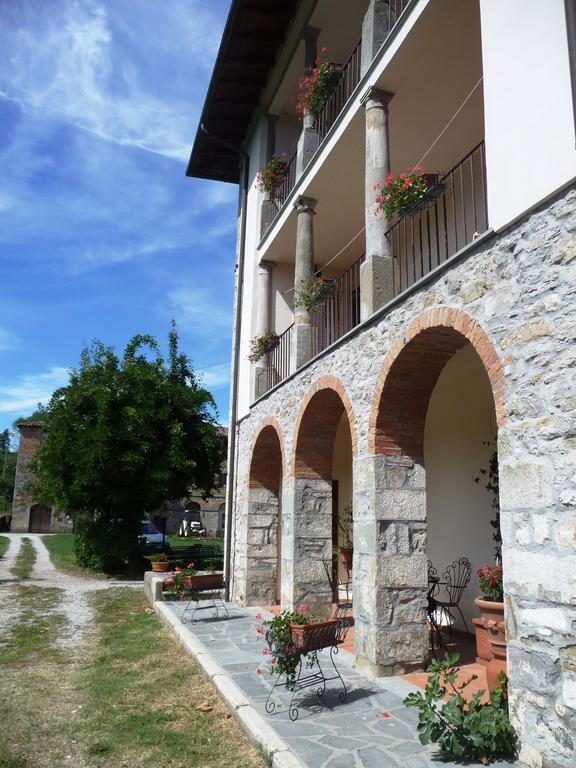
(25, 560)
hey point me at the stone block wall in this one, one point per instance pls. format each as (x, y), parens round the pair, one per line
(513, 297)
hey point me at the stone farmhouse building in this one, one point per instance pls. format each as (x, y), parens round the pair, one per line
(449, 329)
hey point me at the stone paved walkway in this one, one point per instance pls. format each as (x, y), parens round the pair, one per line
(328, 733)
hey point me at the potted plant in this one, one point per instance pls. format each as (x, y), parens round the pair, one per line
(315, 86)
(269, 178)
(345, 527)
(261, 345)
(491, 606)
(313, 292)
(404, 193)
(160, 562)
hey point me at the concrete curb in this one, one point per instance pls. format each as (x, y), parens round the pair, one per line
(252, 723)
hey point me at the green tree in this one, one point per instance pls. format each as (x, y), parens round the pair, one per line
(122, 437)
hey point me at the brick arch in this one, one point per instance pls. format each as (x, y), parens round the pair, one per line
(316, 427)
(267, 456)
(410, 372)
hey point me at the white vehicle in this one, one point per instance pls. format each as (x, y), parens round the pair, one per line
(150, 538)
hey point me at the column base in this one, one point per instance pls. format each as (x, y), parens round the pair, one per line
(376, 284)
(301, 350)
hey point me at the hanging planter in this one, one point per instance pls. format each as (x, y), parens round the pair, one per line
(262, 345)
(274, 173)
(316, 85)
(314, 291)
(406, 193)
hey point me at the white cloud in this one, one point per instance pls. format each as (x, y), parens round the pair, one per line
(201, 311)
(7, 340)
(215, 376)
(22, 395)
(69, 61)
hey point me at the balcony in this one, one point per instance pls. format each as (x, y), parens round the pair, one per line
(421, 241)
(348, 80)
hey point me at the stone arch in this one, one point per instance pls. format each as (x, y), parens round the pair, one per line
(396, 638)
(316, 426)
(444, 331)
(263, 545)
(326, 420)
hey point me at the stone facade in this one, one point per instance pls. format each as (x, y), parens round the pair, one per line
(30, 439)
(513, 298)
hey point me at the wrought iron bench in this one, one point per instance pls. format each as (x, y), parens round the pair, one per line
(208, 588)
(331, 635)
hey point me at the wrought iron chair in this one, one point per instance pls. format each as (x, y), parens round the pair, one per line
(454, 581)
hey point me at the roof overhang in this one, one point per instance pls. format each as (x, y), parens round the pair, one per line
(254, 34)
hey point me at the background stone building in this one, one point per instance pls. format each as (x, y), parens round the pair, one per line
(27, 515)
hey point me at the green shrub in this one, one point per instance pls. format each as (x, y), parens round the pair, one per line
(468, 730)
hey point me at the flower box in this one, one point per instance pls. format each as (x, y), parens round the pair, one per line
(201, 582)
(314, 636)
(435, 187)
(163, 566)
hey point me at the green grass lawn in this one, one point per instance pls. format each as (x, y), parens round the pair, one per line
(124, 694)
(4, 544)
(25, 560)
(61, 549)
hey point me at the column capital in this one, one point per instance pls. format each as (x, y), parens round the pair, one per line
(374, 97)
(305, 205)
(266, 266)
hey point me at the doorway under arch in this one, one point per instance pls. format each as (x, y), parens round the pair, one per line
(264, 520)
(427, 441)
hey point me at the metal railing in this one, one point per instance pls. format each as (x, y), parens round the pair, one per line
(278, 360)
(288, 184)
(423, 240)
(347, 81)
(338, 313)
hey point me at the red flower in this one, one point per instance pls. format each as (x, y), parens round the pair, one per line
(324, 50)
(386, 714)
(258, 671)
(260, 630)
(265, 652)
(190, 565)
(258, 616)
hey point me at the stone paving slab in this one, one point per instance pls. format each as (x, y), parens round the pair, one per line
(328, 733)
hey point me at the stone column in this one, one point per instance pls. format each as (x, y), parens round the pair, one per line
(379, 19)
(308, 142)
(303, 271)
(306, 543)
(263, 322)
(376, 274)
(390, 566)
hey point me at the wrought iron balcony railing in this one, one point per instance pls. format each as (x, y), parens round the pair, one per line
(427, 237)
(278, 360)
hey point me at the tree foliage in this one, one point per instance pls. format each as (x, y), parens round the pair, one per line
(124, 436)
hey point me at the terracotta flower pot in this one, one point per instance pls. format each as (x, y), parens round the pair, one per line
(161, 567)
(346, 558)
(498, 663)
(491, 612)
(314, 636)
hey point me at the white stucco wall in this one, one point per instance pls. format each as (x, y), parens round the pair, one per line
(460, 417)
(257, 152)
(530, 146)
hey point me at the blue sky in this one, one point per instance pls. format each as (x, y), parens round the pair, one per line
(101, 233)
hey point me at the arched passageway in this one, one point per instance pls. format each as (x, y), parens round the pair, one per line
(432, 411)
(264, 530)
(322, 465)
